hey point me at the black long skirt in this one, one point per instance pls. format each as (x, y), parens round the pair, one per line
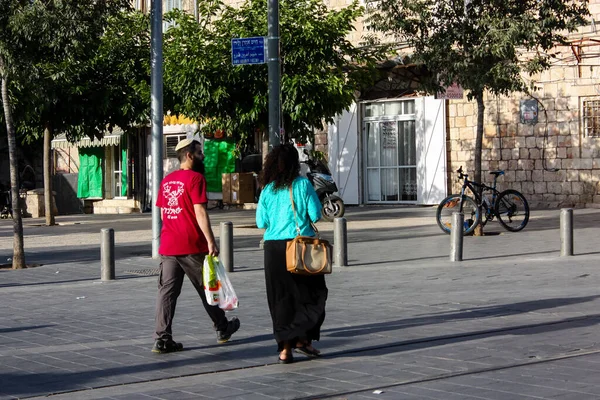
(296, 302)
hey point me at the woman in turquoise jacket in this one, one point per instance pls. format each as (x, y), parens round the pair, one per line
(296, 302)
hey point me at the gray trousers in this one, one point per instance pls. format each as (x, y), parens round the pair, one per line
(170, 281)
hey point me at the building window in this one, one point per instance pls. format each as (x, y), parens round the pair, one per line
(591, 118)
(173, 4)
(170, 144)
(170, 6)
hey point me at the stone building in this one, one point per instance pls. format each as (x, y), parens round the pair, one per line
(554, 160)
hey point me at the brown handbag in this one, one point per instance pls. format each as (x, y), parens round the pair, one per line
(307, 255)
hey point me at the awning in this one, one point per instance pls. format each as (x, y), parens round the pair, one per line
(109, 139)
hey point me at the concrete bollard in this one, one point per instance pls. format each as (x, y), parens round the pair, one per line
(566, 232)
(340, 242)
(107, 254)
(456, 237)
(226, 245)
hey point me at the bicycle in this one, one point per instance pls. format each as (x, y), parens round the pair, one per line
(509, 207)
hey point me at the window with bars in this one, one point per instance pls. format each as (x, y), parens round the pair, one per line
(170, 144)
(171, 5)
(591, 118)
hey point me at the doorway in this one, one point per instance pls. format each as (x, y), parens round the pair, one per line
(391, 149)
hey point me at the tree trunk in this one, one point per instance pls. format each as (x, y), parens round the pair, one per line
(48, 176)
(477, 156)
(18, 261)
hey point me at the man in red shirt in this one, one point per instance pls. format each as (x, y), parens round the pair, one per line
(185, 239)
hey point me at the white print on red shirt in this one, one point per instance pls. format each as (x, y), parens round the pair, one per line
(172, 191)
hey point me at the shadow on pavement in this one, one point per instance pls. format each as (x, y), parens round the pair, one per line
(24, 328)
(48, 282)
(501, 310)
(435, 341)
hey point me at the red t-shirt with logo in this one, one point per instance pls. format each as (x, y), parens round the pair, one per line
(180, 234)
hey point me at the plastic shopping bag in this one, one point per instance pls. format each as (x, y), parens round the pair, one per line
(212, 287)
(217, 286)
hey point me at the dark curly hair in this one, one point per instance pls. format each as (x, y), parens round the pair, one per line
(282, 166)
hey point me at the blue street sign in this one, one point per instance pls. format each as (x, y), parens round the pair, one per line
(248, 50)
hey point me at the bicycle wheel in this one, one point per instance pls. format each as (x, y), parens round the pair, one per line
(512, 210)
(450, 205)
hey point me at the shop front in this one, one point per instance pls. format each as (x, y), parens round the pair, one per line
(390, 152)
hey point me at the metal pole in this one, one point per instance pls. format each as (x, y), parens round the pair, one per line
(456, 237)
(157, 119)
(226, 245)
(566, 232)
(273, 72)
(340, 242)
(107, 254)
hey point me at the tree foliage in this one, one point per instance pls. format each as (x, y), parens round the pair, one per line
(483, 45)
(80, 67)
(321, 69)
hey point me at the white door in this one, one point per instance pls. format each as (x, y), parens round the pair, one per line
(431, 150)
(342, 138)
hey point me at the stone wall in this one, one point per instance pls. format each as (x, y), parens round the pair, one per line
(553, 163)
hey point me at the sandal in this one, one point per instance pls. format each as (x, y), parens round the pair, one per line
(308, 350)
(288, 360)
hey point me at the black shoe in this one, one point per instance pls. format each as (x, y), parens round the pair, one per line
(166, 346)
(288, 360)
(232, 326)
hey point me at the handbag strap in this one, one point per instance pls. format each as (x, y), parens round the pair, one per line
(296, 218)
(294, 209)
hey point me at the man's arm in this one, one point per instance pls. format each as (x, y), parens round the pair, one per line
(204, 223)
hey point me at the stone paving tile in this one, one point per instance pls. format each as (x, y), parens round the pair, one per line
(430, 393)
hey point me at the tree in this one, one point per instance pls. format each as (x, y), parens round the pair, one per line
(321, 70)
(76, 67)
(7, 47)
(482, 45)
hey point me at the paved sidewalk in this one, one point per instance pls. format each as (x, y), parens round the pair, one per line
(513, 321)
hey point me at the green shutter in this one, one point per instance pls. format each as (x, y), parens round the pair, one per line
(90, 182)
(218, 159)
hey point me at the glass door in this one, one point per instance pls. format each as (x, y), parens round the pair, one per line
(391, 152)
(120, 161)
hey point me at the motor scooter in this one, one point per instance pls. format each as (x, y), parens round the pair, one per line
(322, 180)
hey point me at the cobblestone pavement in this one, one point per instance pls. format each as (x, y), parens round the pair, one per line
(512, 321)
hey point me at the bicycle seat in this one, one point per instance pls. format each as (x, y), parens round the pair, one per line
(496, 173)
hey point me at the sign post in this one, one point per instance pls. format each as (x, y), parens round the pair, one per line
(261, 50)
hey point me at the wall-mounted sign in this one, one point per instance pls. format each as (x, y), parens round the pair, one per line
(453, 92)
(529, 111)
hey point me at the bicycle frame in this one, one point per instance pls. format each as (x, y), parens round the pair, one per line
(478, 189)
